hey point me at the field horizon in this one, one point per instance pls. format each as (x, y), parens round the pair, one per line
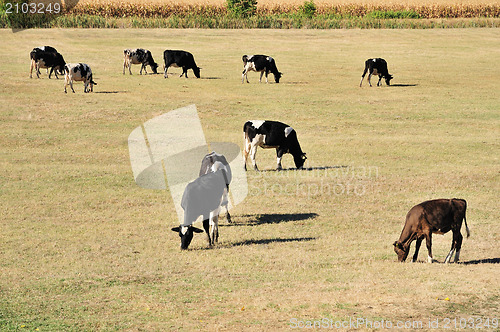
(83, 248)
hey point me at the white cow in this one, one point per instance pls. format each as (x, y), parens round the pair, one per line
(78, 72)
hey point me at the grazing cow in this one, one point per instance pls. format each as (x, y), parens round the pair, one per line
(78, 72)
(272, 134)
(139, 56)
(378, 67)
(262, 64)
(46, 57)
(207, 166)
(436, 216)
(203, 197)
(182, 59)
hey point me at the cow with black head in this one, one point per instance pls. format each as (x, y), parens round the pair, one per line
(260, 63)
(138, 56)
(376, 66)
(204, 197)
(272, 134)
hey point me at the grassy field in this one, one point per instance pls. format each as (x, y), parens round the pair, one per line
(83, 248)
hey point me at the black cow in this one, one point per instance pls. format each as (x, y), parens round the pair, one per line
(272, 134)
(378, 67)
(203, 197)
(262, 64)
(139, 56)
(207, 166)
(46, 57)
(182, 59)
(437, 216)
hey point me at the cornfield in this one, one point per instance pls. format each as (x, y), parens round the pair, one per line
(353, 10)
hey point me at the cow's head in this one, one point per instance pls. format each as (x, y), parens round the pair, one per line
(388, 79)
(154, 67)
(277, 77)
(401, 251)
(196, 71)
(299, 160)
(186, 234)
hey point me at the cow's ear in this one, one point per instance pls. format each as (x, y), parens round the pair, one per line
(395, 243)
(176, 229)
(197, 230)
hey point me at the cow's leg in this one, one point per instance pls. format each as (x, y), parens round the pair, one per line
(214, 225)
(370, 79)
(37, 70)
(455, 247)
(142, 67)
(262, 74)
(225, 203)
(165, 70)
(253, 152)
(267, 73)
(379, 80)
(206, 227)
(417, 248)
(428, 243)
(279, 155)
(124, 65)
(246, 151)
(31, 68)
(363, 76)
(244, 75)
(71, 85)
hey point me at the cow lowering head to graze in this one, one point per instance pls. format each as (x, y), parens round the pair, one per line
(207, 166)
(437, 216)
(138, 56)
(46, 59)
(78, 72)
(376, 66)
(203, 197)
(181, 59)
(272, 134)
(260, 63)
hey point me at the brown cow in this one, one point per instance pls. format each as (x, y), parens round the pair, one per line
(436, 216)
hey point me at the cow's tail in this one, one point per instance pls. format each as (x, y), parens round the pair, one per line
(465, 219)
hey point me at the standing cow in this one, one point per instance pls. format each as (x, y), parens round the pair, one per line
(181, 59)
(378, 67)
(260, 63)
(46, 57)
(138, 56)
(204, 197)
(272, 134)
(78, 72)
(437, 216)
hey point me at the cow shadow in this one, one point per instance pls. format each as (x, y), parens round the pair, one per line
(404, 85)
(269, 241)
(210, 78)
(482, 261)
(315, 168)
(110, 92)
(272, 218)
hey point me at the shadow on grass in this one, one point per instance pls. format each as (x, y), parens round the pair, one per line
(482, 261)
(210, 78)
(268, 241)
(272, 218)
(404, 85)
(109, 92)
(315, 168)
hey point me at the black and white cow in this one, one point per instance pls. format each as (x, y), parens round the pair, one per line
(46, 57)
(138, 56)
(207, 166)
(272, 134)
(78, 72)
(203, 197)
(376, 66)
(181, 59)
(260, 63)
